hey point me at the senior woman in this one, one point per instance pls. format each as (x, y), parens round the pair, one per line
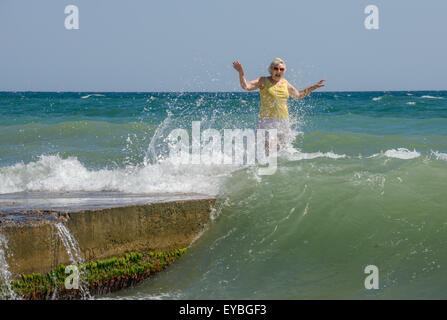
(274, 91)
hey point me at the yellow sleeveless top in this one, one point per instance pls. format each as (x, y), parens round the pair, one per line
(274, 100)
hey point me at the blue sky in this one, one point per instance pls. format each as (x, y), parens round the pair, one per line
(175, 45)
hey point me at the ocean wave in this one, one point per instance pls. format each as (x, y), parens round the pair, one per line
(377, 98)
(318, 221)
(51, 173)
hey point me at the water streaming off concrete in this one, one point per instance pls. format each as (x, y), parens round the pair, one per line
(6, 291)
(74, 253)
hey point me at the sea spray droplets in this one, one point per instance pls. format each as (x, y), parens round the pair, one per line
(73, 251)
(154, 145)
(6, 291)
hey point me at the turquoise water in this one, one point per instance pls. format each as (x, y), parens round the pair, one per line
(365, 184)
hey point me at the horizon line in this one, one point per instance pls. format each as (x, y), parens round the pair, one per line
(338, 91)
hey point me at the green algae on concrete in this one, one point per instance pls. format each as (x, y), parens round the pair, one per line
(99, 277)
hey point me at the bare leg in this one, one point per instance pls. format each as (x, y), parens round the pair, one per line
(282, 141)
(267, 146)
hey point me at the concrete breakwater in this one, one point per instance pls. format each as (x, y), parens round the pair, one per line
(128, 242)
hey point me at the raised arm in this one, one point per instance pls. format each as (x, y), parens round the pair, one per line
(247, 85)
(299, 94)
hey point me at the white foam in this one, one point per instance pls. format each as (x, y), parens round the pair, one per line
(402, 153)
(411, 103)
(142, 296)
(373, 156)
(377, 98)
(54, 174)
(92, 95)
(431, 97)
(292, 154)
(440, 155)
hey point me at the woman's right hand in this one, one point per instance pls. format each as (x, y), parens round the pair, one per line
(237, 65)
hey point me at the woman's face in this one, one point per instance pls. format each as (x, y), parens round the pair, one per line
(278, 71)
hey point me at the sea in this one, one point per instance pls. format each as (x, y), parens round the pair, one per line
(356, 208)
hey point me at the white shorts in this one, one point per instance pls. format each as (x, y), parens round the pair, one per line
(282, 126)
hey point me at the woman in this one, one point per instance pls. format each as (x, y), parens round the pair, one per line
(274, 91)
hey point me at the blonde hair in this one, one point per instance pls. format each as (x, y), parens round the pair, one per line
(276, 62)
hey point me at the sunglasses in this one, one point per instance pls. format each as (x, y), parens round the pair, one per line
(278, 68)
